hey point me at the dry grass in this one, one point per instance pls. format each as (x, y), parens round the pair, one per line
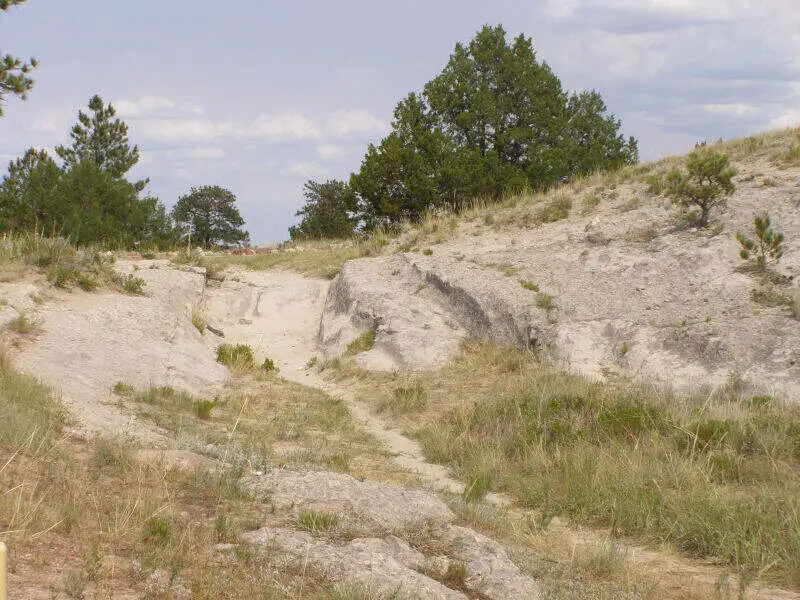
(714, 476)
(315, 258)
(113, 524)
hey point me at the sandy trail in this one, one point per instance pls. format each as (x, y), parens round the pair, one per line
(277, 313)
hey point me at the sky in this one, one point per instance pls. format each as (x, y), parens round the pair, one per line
(259, 96)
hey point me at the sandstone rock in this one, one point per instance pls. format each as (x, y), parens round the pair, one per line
(377, 506)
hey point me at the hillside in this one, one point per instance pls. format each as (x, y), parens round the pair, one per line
(565, 395)
(618, 287)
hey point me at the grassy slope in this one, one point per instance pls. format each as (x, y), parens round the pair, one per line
(714, 476)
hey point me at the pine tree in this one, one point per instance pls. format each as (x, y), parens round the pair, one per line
(328, 212)
(209, 216)
(767, 246)
(15, 77)
(706, 183)
(101, 139)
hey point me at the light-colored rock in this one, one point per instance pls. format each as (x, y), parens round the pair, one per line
(372, 563)
(634, 295)
(378, 506)
(90, 341)
(489, 570)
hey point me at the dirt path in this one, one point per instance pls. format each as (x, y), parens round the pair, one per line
(277, 313)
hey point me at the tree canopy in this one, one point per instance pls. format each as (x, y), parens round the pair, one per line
(87, 198)
(327, 213)
(494, 121)
(209, 215)
(102, 140)
(15, 77)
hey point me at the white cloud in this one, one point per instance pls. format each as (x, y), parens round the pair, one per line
(789, 118)
(329, 151)
(355, 122)
(148, 106)
(308, 169)
(182, 130)
(284, 126)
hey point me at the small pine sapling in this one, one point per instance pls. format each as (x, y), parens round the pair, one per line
(705, 185)
(767, 246)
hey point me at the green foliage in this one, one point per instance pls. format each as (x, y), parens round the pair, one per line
(157, 531)
(235, 355)
(545, 301)
(269, 366)
(768, 245)
(14, 73)
(102, 140)
(479, 485)
(315, 521)
(495, 121)
(132, 285)
(363, 343)
(209, 217)
(88, 199)
(328, 212)
(706, 183)
(529, 285)
(203, 408)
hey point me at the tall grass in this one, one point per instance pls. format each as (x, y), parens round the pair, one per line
(717, 477)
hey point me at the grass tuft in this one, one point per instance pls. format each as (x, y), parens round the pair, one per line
(363, 343)
(316, 522)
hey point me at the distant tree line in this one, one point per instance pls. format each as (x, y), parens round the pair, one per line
(88, 198)
(495, 121)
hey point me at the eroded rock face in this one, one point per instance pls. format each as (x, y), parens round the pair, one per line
(373, 563)
(90, 341)
(376, 506)
(406, 540)
(620, 292)
(421, 315)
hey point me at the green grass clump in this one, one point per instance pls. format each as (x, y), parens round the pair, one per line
(405, 399)
(202, 409)
(236, 356)
(22, 324)
(555, 210)
(315, 521)
(363, 343)
(529, 285)
(269, 366)
(32, 416)
(545, 301)
(132, 285)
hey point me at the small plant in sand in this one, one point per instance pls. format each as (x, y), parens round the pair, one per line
(199, 319)
(706, 184)
(767, 245)
(203, 408)
(236, 356)
(132, 285)
(363, 343)
(315, 521)
(22, 324)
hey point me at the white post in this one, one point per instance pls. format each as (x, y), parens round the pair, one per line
(3, 589)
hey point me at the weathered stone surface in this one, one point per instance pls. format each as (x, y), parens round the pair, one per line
(373, 563)
(489, 570)
(377, 506)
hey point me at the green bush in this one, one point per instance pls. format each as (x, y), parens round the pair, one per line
(157, 531)
(363, 343)
(767, 246)
(202, 409)
(238, 356)
(705, 185)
